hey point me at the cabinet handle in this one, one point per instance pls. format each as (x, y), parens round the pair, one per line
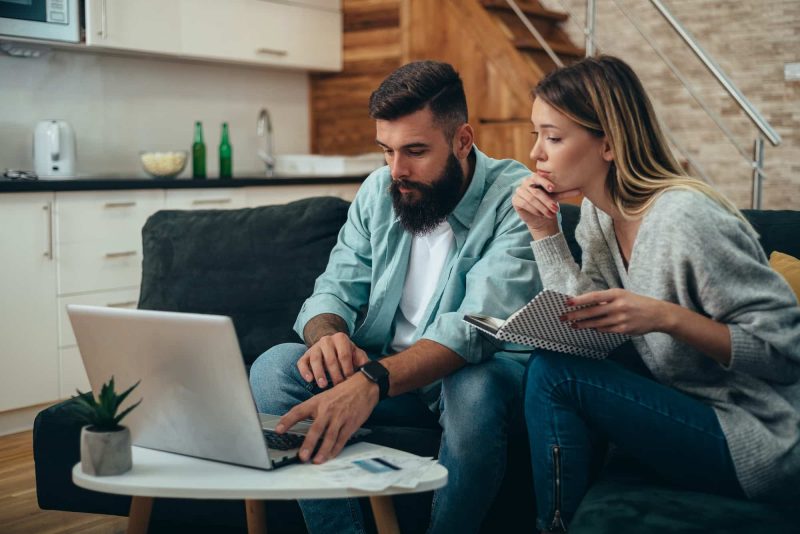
(272, 51)
(49, 209)
(103, 20)
(120, 204)
(125, 254)
(126, 304)
(202, 201)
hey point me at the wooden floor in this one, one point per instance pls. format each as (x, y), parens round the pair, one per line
(19, 512)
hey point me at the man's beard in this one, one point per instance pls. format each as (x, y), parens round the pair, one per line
(422, 215)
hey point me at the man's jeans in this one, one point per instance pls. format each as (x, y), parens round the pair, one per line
(479, 407)
(574, 405)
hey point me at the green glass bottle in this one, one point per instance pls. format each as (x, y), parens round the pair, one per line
(198, 152)
(225, 154)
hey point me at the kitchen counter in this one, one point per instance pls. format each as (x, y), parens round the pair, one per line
(104, 184)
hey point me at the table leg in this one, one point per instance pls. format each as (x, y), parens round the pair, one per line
(256, 517)
(385, 517)
(139, 516)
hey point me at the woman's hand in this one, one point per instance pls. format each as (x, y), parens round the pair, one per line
(621, 312)
(537, 206)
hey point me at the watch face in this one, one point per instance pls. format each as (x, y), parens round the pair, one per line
(375, 371)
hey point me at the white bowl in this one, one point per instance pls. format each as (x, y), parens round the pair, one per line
(167, 164)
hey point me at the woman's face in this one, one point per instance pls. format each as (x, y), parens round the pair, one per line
(565, 152)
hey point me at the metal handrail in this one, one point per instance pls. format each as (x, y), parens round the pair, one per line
(761, 123)
(715, 118)
(538, 36)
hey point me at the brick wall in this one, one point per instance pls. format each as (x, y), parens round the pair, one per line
(751, 41)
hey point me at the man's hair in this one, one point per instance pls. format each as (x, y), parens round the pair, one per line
(421, 84)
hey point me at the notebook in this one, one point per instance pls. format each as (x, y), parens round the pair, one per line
(537, 324)
(196, 397)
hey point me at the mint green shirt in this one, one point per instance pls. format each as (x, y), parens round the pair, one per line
(490, 268)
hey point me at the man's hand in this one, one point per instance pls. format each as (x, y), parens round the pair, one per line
(334, 353)
(337, 413)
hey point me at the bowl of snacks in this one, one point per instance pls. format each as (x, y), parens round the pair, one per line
(163, 164)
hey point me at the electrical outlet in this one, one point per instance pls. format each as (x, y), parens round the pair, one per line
(791, 72)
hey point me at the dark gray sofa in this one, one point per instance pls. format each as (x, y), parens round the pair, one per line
(257, 266)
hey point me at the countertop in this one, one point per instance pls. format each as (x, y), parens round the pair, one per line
(100, 184)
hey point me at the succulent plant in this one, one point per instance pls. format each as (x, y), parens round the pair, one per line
(101, 413)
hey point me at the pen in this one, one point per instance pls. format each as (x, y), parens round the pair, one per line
(387, 464)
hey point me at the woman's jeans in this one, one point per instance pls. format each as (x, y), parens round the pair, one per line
(575, 405)
(480, 406)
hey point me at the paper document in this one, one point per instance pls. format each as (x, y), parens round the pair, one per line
(537, 324)
(371, 472)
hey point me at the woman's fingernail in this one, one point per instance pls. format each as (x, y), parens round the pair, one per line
(570, 302)
(562, 318)
(279, 428)
(321, 382)
(309, 378)
(550, 188)
(304, 454)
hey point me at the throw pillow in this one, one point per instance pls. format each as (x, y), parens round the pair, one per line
(788, 267)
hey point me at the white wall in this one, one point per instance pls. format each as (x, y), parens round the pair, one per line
(120, 105)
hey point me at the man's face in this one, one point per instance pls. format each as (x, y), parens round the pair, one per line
(427, 178)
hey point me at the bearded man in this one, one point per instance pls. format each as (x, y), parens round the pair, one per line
(428, 238)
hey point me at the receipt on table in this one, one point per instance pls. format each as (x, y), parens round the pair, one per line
(371, 472)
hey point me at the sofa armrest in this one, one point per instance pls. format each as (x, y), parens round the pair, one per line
(56, 449)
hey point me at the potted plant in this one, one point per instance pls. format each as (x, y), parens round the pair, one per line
(105, 444)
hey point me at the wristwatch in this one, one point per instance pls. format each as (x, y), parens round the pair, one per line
(376, 372)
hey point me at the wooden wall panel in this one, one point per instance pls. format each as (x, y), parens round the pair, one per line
(381, 35)
(372, 48)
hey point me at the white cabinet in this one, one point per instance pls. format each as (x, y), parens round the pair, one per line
(141, 26)
(28, 318)
(304, 34)
(263, 32)
(206, 199)
(265, 196)
(99, 251)
(99, 238)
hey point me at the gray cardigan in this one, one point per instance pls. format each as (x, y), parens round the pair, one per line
(693, 252)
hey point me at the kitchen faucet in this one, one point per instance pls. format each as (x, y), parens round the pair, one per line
(264, 128)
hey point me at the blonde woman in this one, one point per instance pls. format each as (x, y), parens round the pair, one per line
(669, 261)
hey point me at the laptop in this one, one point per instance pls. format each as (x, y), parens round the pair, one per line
(195, 390)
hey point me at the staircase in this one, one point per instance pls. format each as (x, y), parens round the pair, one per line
(547, 22)
(498, 59)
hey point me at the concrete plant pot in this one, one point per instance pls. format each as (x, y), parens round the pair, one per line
(105, 453)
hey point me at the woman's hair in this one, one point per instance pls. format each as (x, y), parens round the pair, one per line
(605, 96)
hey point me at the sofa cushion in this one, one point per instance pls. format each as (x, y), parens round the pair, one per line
(256, 265)
(627, 498)
(788, 267)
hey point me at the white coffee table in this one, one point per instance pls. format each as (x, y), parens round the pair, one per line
(162, 474)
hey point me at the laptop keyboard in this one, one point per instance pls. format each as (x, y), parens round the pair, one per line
(283, 442)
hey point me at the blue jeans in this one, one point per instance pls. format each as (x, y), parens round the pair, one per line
(480, 406)
(574, 406)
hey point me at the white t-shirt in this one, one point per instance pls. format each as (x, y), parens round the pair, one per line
(428, 256)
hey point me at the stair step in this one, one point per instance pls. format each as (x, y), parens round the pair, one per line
(532, 9)
(530, 43)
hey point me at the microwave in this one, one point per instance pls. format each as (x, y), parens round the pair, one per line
(54, 20)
